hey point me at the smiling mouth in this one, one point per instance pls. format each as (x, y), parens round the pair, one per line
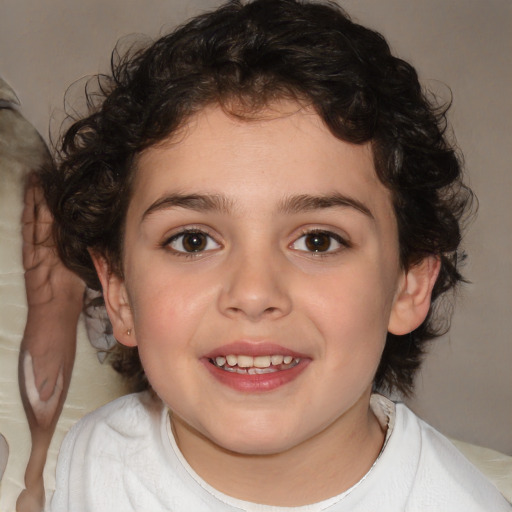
(248, 365)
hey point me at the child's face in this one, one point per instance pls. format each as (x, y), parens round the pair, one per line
(264, 239)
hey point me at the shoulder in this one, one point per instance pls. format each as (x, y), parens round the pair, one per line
(128, 416)
(94, 454)
(443, 476)
(128, 421)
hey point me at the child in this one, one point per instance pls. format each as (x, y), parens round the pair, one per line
(270, 206)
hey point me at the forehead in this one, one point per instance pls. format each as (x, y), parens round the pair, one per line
(285, 150)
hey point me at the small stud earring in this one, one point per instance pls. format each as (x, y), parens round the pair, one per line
(129, 332)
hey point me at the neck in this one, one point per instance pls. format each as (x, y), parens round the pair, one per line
(342, 454)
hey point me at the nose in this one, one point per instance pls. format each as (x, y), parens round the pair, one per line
(256, 288)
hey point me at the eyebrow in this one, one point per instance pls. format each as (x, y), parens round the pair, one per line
(290, 205)
(197, 202)
(306, 203)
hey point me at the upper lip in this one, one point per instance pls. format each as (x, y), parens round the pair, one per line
(253, 348)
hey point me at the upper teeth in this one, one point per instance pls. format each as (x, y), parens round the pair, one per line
(243, 361)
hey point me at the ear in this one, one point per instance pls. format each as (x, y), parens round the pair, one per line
(116, 302)
(412, 301)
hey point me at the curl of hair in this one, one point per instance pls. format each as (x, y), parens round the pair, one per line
(243, 57)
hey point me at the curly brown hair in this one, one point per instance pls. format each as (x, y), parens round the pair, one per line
(251, 54)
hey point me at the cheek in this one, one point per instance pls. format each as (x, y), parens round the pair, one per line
(351, 313)
(350, 301)
(167, 309)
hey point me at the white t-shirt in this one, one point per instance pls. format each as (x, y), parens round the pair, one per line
(123, 458)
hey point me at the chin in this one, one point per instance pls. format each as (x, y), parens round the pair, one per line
(256, 448)
(255, 439)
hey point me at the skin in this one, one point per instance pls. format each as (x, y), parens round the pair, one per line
(47, 352)
(256, 283)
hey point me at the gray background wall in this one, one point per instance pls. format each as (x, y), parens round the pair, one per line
(465, 388)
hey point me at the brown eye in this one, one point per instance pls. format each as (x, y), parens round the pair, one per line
(318, 242)
(192, 242)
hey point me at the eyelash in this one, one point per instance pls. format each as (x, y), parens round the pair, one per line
(167, 243)
(343, 243)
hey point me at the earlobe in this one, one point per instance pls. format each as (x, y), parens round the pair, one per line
(412, 301)
(116, 301)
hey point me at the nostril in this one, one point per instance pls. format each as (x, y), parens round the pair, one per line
(254, 298)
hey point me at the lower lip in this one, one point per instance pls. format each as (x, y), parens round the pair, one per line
(256, 383)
